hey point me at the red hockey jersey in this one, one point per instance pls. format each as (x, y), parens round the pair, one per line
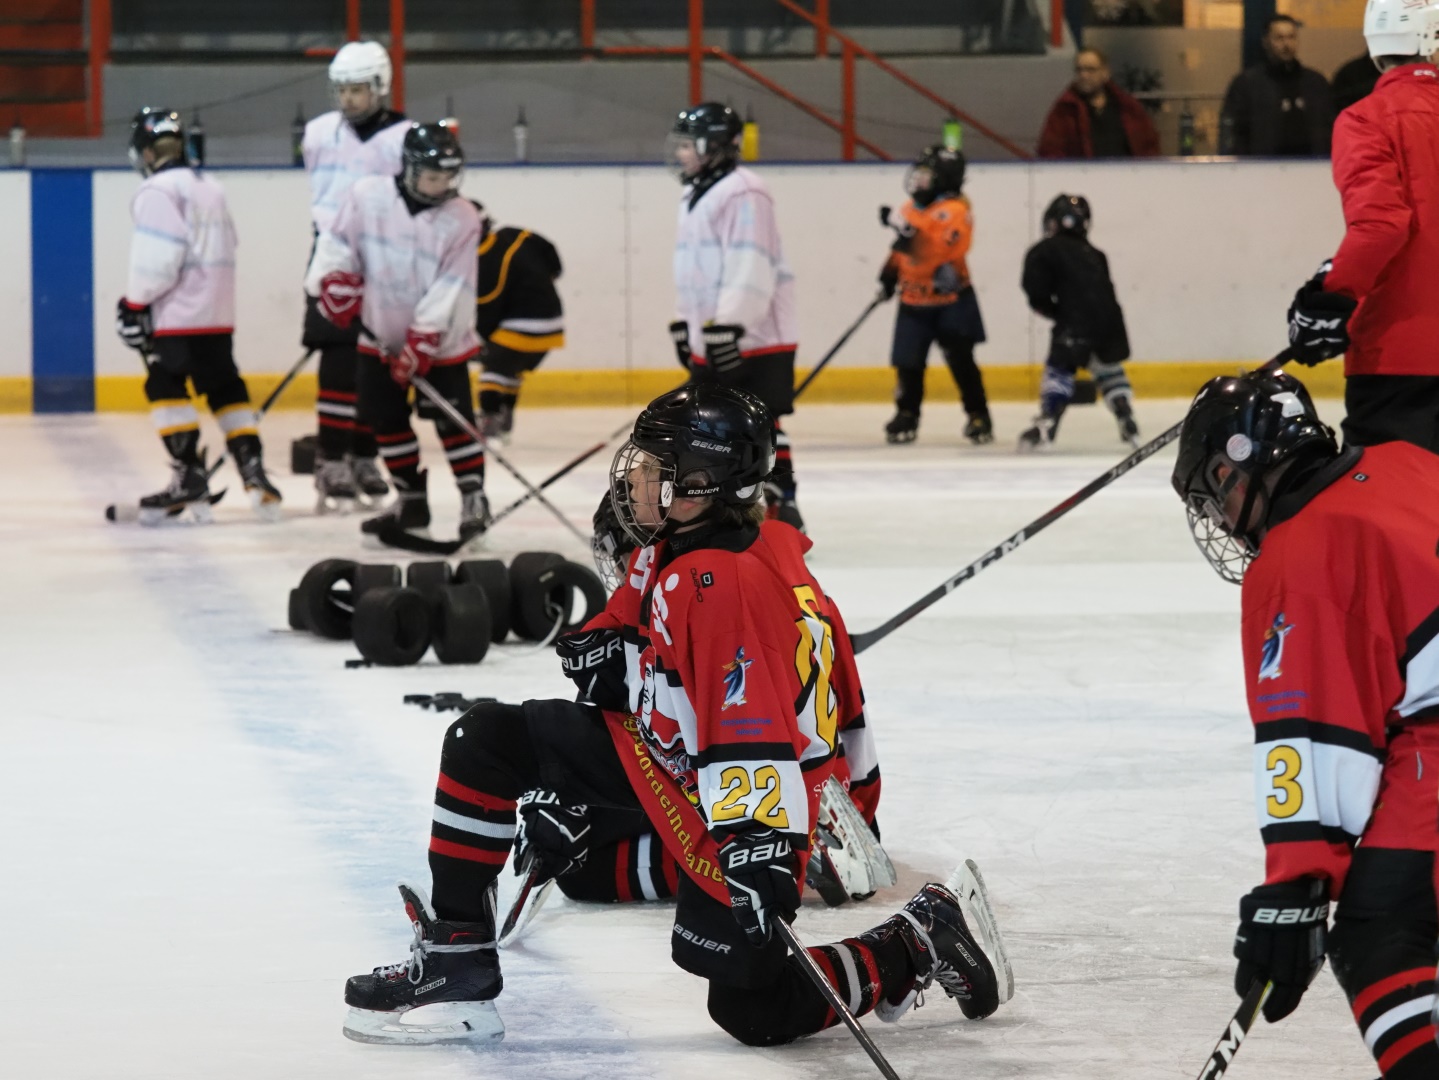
(740, 678)
(1341, 644)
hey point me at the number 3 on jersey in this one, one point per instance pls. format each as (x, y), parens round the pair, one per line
(1284, 765)
(817, 708)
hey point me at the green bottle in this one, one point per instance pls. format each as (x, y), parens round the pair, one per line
(953, 136)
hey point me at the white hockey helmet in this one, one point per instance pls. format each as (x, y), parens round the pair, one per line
(1401, 27)
(362, 62)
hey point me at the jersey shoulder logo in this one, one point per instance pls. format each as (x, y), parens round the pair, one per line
(734, 679)
(1272, 651)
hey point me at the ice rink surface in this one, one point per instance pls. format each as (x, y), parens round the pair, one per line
(204, 814)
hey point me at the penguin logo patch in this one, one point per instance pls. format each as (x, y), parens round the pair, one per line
(1272, 651)
(734, 679)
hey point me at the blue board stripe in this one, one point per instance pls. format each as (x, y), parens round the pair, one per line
(62, 282)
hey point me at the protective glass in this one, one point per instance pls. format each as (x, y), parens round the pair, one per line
(919, 179)
(642, 490)
(433, 193)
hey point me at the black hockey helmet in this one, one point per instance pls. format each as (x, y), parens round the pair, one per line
(1067, 213)
(431, 148)
(702, 441)
(714, 129)
(938, 171)
(1243, 429)
(611, 545)
(147, 128)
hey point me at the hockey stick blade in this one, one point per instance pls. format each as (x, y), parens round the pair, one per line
(391, 535)
(831, 995)
(1239, 1024)
(1144, 453)
(129, 513)
(531, 896)
(967, 883)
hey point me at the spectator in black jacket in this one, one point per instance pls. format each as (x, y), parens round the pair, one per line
(1279, 108)
(1066, 278)
(1354, 81)
(517, 313)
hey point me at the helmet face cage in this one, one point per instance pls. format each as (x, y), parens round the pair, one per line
(432, 148)
(611, 545)
(919, 181)
(641, 484)
(1228, 554)
(713, 131)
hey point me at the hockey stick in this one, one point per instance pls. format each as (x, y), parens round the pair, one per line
(1239, 1024)
(878, 299)
(831, 995)
(869, 637)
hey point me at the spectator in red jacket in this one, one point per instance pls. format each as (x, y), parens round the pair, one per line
(1375, 300)
(1096, 119)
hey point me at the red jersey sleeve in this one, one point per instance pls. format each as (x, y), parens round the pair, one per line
(1378, 218)
(1320, 684)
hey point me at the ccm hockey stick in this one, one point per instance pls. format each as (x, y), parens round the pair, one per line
(1148, 450)
(878, 299)
(1239, 1025)
(127, 512)
(831, 995)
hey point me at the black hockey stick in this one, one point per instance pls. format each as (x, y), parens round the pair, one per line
(831, 995)
(994, 554)
(1239, 1025)
(879, 298)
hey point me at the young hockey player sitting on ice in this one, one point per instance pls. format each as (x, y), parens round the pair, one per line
(936, 301)
(1066, 278)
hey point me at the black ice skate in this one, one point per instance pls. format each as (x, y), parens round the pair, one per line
(189, 490)
(474, 513)
(368, 480)
(444, 993)
(335, 486)
(1040, 435)
(979, 430)
(1124, 416)
(265, 497)
(942, 950)
(903, 428)
(410, 510)
(499, 424)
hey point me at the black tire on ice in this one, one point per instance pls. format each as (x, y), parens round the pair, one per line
(536, 600)
(296, 614)
(429, 578)
(377, 576)
(327, 599)
(491, 576)
(392, 626)
(460, 624)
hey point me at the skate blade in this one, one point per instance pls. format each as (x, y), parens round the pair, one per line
(967, 883)
(528, 901)
(333, 505)
(429, 1025)
(266, 507)
(197, 513)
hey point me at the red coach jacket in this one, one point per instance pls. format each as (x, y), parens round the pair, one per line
(1066, 128)
(1386, 167)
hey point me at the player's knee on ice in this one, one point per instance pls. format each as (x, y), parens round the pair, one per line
(769, 1015)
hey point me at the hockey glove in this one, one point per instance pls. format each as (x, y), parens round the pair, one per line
(595, 661)
(889, 279)
(722, 348)
(884, 212)
(1319, 321)
(340, 295)
(758, 867)
(134, 325)
(415, 358)
(1281, 939)
(680, 335)
(946, 279)
(557, 835)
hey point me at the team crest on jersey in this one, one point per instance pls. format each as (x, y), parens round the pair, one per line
(1272, 650)
(734, 679)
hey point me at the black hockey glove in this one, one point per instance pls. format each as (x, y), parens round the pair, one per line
(680, 335)
(134, 326)
(758, 867)
(889, 279)
(595, 661)
(884, 212)
(555, 834)
(722, 348)
(1319, 321)
(1281, 939)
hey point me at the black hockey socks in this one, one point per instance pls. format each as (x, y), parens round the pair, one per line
(486, 764)
(909, 389)
(465, 455)
(959, 356)
(634, 868)
(401, 453)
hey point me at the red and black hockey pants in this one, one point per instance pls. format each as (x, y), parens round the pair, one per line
(341, 431)
(1386, 923)
(386, 405)
(494, 753)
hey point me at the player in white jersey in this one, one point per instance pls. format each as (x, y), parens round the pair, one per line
(178, 312)
(361, 137)
(734, 291)
(400, 253)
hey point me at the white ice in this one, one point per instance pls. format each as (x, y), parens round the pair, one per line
(202, 814)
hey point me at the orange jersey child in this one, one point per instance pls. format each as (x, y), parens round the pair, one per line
(926, 265)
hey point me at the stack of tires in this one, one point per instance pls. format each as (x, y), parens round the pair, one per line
(394, 617)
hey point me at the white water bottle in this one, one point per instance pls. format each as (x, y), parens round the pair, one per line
(522, 138)
(17, 145)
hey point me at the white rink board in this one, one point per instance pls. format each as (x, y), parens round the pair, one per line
(206, 814)
(1206, 256)
(15, 272)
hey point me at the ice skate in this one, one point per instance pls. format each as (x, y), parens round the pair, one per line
(1124, 417)
(1040, 435)
(474, 513)
(445, 991)
(942, 949)
(335, 486)
(498, 425)
(979, 430)
(189, 491)
(409, 512)
(902, 428)
(265, 497)
(368, 480)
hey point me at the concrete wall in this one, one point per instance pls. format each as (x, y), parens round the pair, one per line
(1205, 255)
